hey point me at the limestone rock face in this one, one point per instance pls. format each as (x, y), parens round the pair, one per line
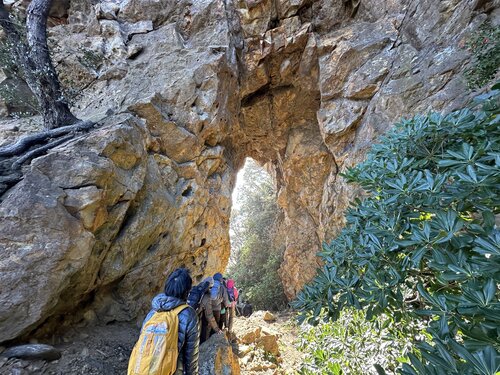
(184, 91)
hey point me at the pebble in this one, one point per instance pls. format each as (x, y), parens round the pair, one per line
(268, 317)
(243, 350)
(36, 366)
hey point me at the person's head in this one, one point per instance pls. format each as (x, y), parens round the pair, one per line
(178, 284)
(209, 280)
(230, 283)
(218, 277)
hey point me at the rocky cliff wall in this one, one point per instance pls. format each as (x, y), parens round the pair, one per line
(183, 92)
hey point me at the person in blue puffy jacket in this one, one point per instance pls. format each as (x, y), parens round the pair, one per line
(176, 292)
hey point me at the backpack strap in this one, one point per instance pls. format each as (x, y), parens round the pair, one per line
(179, 308)
(176, 310)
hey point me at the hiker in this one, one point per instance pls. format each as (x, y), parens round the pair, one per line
(220, 299)
(208, 322)
(233, 298)
(195, 301)
(224, 307)
(243, 307)
(197, 293)
(170, 328)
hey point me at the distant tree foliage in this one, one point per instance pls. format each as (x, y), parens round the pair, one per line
(423, 245)
(257, 254)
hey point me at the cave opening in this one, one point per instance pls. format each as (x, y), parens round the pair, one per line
(257, 244)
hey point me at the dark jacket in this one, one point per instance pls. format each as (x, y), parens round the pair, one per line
(189, 335)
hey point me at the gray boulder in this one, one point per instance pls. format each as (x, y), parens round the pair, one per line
(33, 351)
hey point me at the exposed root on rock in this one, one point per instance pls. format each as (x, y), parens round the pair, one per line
(26, 142)
(14, 155)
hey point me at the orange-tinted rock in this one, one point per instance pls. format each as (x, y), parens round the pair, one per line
(183, 93)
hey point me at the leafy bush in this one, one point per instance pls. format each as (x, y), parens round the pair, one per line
(256, 252)
(484, 46)
(423, 245)
(351, 345)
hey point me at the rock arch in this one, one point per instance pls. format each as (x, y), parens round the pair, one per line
(184, 91)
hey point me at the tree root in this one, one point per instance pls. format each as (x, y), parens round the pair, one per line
(13, 156)
(25, 142)
(40, 150)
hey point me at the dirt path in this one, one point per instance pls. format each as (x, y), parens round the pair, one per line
(267, 348)
(104, 350)
(99, 350)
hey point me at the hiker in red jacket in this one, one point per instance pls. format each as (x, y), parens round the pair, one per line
(233, 298)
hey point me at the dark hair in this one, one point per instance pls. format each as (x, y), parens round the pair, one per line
(178, 284)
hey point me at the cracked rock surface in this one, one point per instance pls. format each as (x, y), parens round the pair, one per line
(184, 91)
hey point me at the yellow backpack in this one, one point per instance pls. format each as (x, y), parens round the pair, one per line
(155, 353)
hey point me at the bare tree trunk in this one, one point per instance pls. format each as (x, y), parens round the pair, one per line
(33, 60)
(55, 109)
(36, 64)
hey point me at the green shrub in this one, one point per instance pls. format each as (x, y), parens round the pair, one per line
(423, 245)
(352, 345)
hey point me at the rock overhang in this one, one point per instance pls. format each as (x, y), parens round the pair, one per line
(185, 92)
